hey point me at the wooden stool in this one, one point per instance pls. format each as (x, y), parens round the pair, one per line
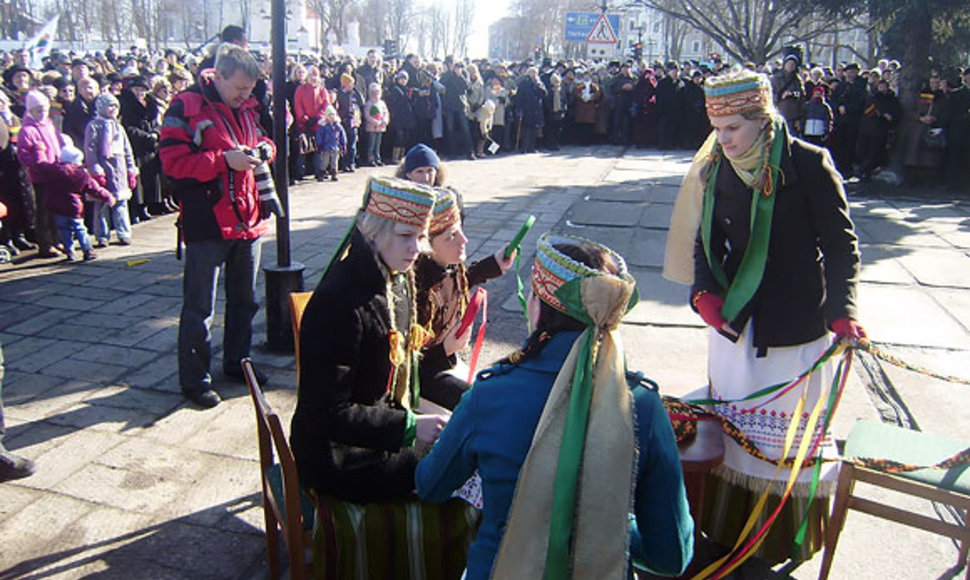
(873, 439)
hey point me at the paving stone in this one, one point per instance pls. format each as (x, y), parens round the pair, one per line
(956, 303)
(648, 249)
(939, 268)
(29, 534)
(200, 500)
(35, 354)
(657, 216)
(90, 415)
(13, 499)
(70, 454)
(133, 491)
(881, 231)
(908, 317)
(662, 302)
(19, 387)
(51, 318)
(51, 401)
(202, 551)
(879, 264)
(598, 213)
(98, 372)
(232, 434)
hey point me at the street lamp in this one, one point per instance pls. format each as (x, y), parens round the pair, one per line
(286, 276)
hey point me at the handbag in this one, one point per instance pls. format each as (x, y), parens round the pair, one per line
(934, 138)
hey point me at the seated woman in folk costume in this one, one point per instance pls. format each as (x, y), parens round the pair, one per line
(771, 281)
(354, 432)
(570, 456)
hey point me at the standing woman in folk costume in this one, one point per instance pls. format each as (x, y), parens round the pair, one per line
(578, 469)
(354, 429)
(772, 282)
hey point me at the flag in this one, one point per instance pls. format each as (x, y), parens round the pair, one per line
(40, 45)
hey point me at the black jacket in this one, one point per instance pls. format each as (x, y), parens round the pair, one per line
(77, 115)
(348, 439)
(142, 125)
(812, 268)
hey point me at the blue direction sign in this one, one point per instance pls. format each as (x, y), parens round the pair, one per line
(580, 24)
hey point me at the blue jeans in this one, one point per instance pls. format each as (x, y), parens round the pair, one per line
(373, 152)
(203, 260)
(349, 159)
(71, 228)
(105, 216)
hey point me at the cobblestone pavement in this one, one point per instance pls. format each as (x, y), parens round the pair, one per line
(133, 482)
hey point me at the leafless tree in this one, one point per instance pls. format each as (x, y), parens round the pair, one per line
(400, 19)
(462, 18)
(333, 16)
(752, 30)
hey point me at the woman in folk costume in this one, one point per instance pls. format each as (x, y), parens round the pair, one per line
(565, 449)
(443, 282)
(771, 281)
(353, 430)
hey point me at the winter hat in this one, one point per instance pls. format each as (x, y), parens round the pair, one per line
(102, 102)
(399, 200)
(420, 156)
(71, 154)
(36, 99)
(446, 212)
(346, 79)
(553, 269)
(743, 92)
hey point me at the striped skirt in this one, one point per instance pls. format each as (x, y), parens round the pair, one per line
(392, 540)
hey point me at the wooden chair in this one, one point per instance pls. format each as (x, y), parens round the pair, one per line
(298, 302)
(873, 439)
(288, 511)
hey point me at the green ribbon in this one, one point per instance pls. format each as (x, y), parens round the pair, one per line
(574, 434)
(520, 290)
(741, 290)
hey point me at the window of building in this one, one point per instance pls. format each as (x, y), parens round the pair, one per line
(656, 27)
(695, 47)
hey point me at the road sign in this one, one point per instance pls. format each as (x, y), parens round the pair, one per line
(580, 24)
(602, 32)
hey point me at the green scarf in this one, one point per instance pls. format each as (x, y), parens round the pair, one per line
(751, 271)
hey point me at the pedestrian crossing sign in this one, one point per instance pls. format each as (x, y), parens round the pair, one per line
(602, 32)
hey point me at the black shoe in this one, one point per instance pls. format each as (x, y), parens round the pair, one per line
(90, 255)
(143, 214)
(235, 374)
(8, 245)
(14, 466)
(206, 398)
(21, 243)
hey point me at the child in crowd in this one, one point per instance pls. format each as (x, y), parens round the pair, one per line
(376, 118)
(67, 182)
(818, 118)
(331, 143)
(108, 155)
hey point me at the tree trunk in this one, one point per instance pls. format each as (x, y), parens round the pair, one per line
(918, 24)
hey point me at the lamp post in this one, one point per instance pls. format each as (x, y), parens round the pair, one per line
(286, 276)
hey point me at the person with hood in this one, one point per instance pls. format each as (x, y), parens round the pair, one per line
(39, 142)
(109, 158)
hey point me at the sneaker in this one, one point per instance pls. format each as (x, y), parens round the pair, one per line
(14, 466)
(203, 397)
(69, 257)
(21, 243)
(124, 242)
(90, 255)
(333, 177)
(101, 244)
(235, 374)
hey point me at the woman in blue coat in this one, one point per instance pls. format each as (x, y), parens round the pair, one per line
(566, 455)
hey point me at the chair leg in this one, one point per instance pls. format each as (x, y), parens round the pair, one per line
(965, 545)
(272, 542)
(837, 519)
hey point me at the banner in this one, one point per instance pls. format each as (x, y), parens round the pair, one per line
(40, 45)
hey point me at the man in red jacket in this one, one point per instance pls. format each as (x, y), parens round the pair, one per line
(215, 150)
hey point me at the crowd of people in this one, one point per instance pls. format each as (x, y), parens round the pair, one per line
(344, 112)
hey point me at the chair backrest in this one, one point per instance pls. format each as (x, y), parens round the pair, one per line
(298, 302)
(273, 438)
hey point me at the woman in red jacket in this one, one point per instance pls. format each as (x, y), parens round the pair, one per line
(310, 101)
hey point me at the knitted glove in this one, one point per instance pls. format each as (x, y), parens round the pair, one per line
(709, 307)
(849, 329)
(132, 180)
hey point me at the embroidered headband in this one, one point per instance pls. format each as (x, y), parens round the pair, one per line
(742, 92)
(553, 268)
(399, 200)
(445, 213)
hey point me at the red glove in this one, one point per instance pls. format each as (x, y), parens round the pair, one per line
(709, 307)
(101, 178)
(849, 329)
(132, 180)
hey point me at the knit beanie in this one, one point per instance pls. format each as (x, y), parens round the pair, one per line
(69, 153)
(420, 156)
(346, 79)
(735, 93)
(36, 99)
(102, 102)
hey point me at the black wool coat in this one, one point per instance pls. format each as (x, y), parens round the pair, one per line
(812, 267)
(347, 437)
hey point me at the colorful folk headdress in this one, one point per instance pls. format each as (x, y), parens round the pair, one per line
(733, 94)
(446, 212)
(399, 200)
(585, 435)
